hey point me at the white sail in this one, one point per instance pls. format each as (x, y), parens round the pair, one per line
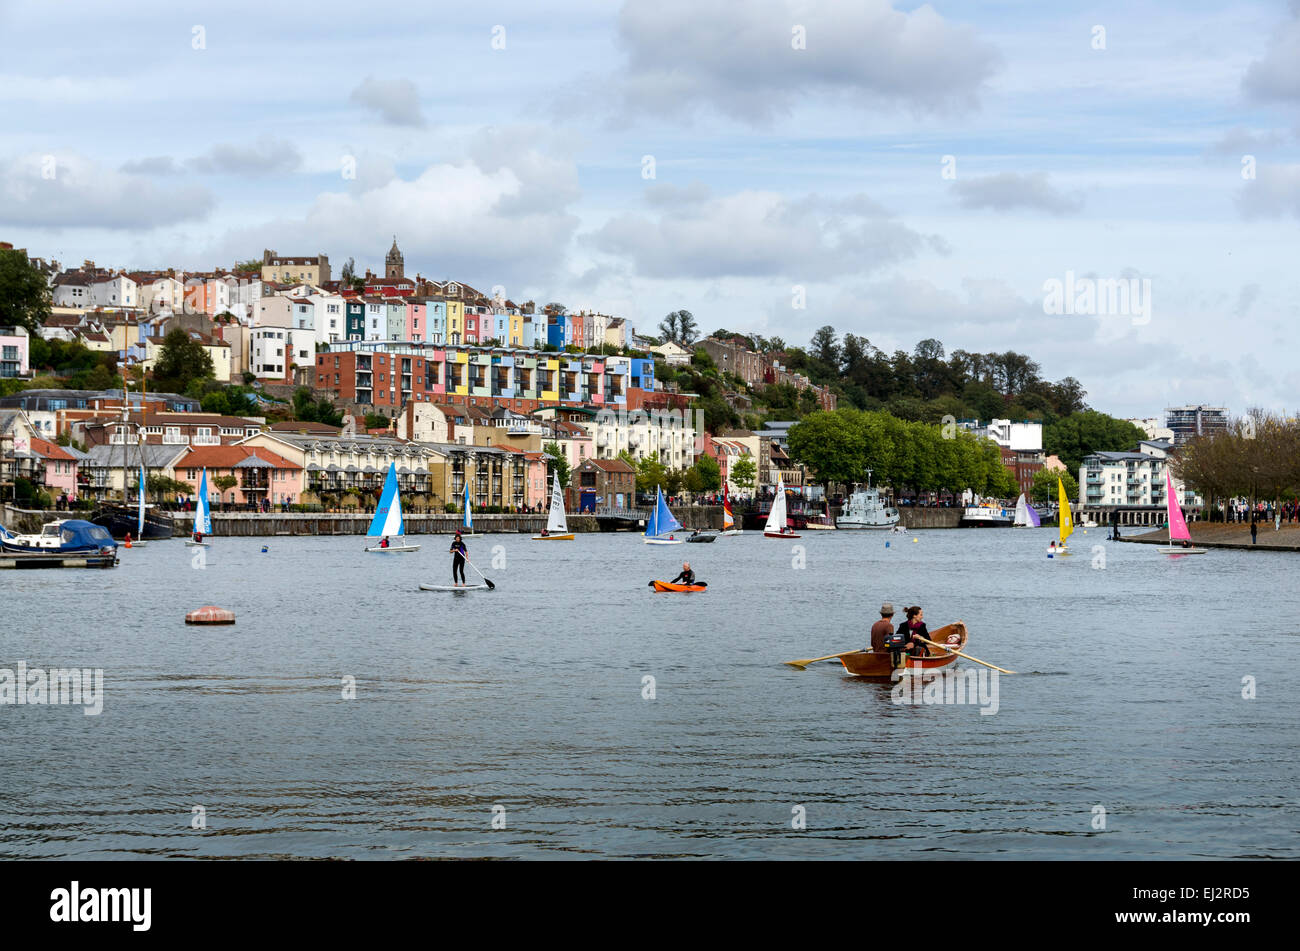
(1022, 511)
(556, 523)
(776, 518)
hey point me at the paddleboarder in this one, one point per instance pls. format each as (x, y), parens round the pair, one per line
(458, 555)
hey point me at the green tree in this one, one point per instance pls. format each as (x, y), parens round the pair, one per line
(680, 327)
(708, 474)
(650, 473)
(24, 293)
(743, 471)
(1080, 434)
(225, 483)
(1043, 489)
(182, 361)
(556, 462)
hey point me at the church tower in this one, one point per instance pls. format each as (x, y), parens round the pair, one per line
(393, 263)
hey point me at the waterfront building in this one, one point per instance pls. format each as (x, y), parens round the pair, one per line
(603, 484)
(14, 351)
(100, 468)
(1132, 482)
(259, 474)
(1188, 422)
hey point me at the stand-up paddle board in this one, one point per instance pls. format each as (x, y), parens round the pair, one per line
(454, 587)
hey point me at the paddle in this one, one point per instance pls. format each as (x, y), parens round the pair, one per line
(801, 664)
(491, 586)
(953, 650)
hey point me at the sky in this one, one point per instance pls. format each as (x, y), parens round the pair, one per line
(897, 171)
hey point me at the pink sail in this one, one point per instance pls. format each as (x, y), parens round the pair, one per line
(1177, 525)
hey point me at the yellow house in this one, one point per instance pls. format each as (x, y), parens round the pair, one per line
(455, 322)
(552, 389)
(516, 330)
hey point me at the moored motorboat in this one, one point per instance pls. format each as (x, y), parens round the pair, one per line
(879, 664)
(866, 510)
(71, 536)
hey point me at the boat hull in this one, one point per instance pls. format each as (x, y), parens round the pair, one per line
(732, 531)
(393, 549)
(665, 541)
(122, 520)
(554, 538)
(1175, 550)
(781, 535)
(685, 588)
(878, 665)
(862, 526)
(701, 538)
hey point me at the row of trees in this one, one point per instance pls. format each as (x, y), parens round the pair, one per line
(1257, 457)
(841, 446)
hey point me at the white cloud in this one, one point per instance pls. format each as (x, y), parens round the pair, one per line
(1274, 193)
(267, 156)
(1009, 190)
(451, 221)
(756, 234)
(71, 191)
(739, 58)
(395, 101)
(1277, 75)
(152, 165)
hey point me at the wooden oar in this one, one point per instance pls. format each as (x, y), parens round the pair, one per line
(801, 664)
(953, 650)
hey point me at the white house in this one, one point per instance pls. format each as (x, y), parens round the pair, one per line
(331, 317)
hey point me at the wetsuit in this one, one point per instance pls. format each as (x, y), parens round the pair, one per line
(686, 577)
(459, 553)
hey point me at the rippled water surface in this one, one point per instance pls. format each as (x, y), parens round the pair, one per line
(530, 697)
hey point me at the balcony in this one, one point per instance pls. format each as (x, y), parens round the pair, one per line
(206, 441)
(175, 439)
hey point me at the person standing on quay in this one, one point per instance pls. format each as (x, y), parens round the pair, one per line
(1254, 530)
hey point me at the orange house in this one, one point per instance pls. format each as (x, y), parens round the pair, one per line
(259, 474)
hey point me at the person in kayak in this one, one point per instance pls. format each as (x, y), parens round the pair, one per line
(686, 577)
(913, 628)
(458, 555)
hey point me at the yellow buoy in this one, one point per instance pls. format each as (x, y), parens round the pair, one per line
(915, 540)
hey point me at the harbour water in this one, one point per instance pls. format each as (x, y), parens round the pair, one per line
(533, 698)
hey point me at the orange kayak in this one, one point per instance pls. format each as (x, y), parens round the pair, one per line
(668, 586)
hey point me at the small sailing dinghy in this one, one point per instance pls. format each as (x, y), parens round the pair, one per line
(728, 520)
(1063, 520)
(467, 525)
(138, 541)
(202, 516)
(777, 523)
(557, 522)
(662, 522)
(1178, 531)
(1026, 514)
(387, 522)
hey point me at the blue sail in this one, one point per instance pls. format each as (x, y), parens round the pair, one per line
(469, 516)
(388, 514)
(203, 516)
(661, 521)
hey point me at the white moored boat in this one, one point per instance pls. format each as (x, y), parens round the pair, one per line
(1026, 514)
(866, 510)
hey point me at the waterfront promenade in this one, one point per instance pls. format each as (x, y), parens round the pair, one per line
(1227, 535)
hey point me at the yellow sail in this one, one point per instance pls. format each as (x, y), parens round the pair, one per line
(1064, 520)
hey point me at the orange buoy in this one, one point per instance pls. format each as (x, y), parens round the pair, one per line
(210, 614)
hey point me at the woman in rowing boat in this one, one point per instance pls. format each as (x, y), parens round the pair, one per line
(913, 628)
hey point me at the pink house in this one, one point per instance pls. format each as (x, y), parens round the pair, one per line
(60, 467)
(416, 324)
